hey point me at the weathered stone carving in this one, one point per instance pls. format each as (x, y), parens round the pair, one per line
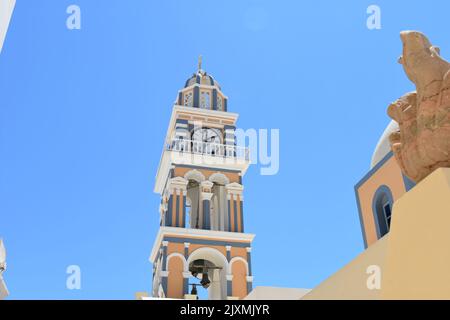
(423, 142)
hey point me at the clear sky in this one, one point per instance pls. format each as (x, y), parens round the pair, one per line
(83, 115)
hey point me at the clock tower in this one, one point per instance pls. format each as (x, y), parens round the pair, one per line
(201, 241)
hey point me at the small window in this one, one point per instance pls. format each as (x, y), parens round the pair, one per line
(382, 207)
(205, 100)
(188, 99)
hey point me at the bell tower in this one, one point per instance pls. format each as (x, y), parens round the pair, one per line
(201, 241)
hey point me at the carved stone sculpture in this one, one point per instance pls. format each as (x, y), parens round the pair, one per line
(422, 143)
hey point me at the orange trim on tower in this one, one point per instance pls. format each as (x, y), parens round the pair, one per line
(232, 222)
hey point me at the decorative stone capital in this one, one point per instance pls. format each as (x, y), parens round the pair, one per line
(228, 248)
(164, 274)
(165, 243)
(177, 184)
(229, 277)
(187, 244)
(206, 196)
(206, 186)
(186, 274)
(234, 189)
(249, 278)
(249, 249)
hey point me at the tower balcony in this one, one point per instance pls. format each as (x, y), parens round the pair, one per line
(216, 150)
(200, 154)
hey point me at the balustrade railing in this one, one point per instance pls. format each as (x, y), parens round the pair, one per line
(207, 148)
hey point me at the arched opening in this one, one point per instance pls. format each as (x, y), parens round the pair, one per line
(382, 208)
(193, 216)
(205, 279)
(219, 202)
(208, 267)
(188, 206)
(193, 200)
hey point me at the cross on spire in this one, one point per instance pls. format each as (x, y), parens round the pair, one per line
(199, 62)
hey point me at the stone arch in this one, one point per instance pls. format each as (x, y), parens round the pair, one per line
(235, 259)
(176, 265)
(218, 287)
(210, 254)
(239, 270)
(176, 254)
(194, 175)
(219, 178)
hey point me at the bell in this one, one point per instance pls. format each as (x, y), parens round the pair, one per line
(194, 289)
(205, 280)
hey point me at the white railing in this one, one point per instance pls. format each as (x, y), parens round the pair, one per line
(209, 149)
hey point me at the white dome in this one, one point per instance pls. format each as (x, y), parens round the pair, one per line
(383, 146)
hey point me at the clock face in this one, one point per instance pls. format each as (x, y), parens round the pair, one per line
(207, 135)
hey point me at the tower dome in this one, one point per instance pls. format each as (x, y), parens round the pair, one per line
(202, 91)
(203, 78)
(383, 146)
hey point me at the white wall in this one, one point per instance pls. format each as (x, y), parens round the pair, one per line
(6, 9)
(3, 289)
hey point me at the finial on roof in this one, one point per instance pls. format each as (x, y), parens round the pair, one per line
(199, 62)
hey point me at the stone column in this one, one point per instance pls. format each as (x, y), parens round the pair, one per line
(228, 253)
(205, 197)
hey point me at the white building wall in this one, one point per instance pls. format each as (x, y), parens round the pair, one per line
(6, 10)
(3, 290)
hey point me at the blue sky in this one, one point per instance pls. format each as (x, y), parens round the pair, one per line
(83, 115)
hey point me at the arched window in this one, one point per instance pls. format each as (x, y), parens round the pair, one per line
(382, 209)
(188, 99)
(205, 100)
